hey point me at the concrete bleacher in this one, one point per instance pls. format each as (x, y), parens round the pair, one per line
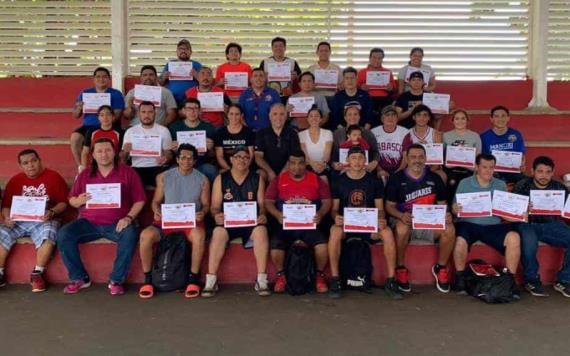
(37, 113)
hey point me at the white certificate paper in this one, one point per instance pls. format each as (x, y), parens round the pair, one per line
(566, 211)
(301, 105)
(547, 202)
(211, 102)
(326, 78)
(474, 205)
(438, 103)
(363, 220)
(180, 70)
(240, 214)
(299, 216)
(460, 156)
(425, 73)
(178, 216)
(343, 156)
(195, 138)
(146, 146)
(509, 205)
(376, 79)
(279, 72)
(93, 101)
(507, 161)
(103, 196)
(150, 93)
(434, 153)
(428, 217)
(236, 80)
(28, 208)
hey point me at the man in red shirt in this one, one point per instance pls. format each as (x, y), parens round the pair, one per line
(213, 115)
(33, 181)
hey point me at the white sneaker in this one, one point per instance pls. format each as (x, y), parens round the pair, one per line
(262, 285)
(211, 286)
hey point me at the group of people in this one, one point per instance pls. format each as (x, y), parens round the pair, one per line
(370, 150)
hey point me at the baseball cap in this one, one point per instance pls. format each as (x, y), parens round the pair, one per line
(388, 109)
(355, 149)
(240, 148)
(183, 42)
(417, 74)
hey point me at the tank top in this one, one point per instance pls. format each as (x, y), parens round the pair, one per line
(180, 188)
(428, 138)
(234, 192)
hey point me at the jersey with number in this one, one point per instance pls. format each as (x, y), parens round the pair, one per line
(390, 147)
(232, 191)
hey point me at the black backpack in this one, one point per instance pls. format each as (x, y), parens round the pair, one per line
(492, 288)
(356, 265)
(300, 269)
(171, 264)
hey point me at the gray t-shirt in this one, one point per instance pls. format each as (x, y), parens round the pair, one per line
(471, 185)
(180, 189)
(469, 139)
(167, 102)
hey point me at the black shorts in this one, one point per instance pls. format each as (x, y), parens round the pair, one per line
(243, 233)
(148, 174)
(371, 239)
(84, 130)
(283, 239)
(492, 235)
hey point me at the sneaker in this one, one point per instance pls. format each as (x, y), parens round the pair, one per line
(459, 286)
(37, 282)
(402, 279)
(280, 283)
(210, 291)
(563, 288)
(441, 275)
(262, 289)
(335, 290)
(116, 288)
(392, 290)
(2, 280)
(321, 283)
(75, 286)
(536, 289)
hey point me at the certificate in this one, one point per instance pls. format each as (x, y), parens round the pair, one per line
(28, 208)
(438, 103)
(146, 145)
(150, 93)
(460, 156)
(278, 72)
(211, 102)
(180, 70)
(547, 202)
(378, 79)
(566, 211)
(509, 205)
(363, 220)
(103, 196)
(507, 161)
(93, 101)
(326, 78)
(299, 216)
(240, 214)
(428, 217)
(434, 153)
(301, 105)
(178, 216)
(195, 138)
(236, 80)
(425, 73)
(343, 156)
(474, 205)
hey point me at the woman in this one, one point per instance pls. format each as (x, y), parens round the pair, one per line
(233, 135)
(228, 71)
(415, 64)
(316, 143)
(307, 85)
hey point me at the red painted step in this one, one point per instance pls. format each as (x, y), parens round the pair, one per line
(31, 125)
(46, 92)
(514, 94)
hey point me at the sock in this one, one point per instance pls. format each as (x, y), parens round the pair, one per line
(147, 277)
(39, 269)
(262, 278)
(1, 269)
(193, 277)
(210, 281)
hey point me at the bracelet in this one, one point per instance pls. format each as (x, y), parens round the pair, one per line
(130, 217)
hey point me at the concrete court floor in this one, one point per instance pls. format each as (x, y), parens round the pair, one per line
(238, 322)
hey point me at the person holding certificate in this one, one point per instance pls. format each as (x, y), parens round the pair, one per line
(298, 186)
(417, 185)
(360, 189)
(414, 65)
(213, 111)
(325, 72)
(488, 229)
(148, 145)
(115, 224)
(377, 80)
(33, 181)
(282, 72)
(234, 75)
(257, 100)
(179, 185)
(316, 143)
(550, 229)
(234, 135)
(351, 95)
(309, 95)
(407, 101)
(173, 81)
(231, 189)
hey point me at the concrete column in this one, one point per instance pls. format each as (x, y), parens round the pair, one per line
(119, 42)
(537, 56)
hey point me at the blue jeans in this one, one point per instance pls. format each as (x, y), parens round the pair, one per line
(81, 231)
(209, 170)
(556, 234)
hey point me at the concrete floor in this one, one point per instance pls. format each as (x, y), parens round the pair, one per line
(237, 322)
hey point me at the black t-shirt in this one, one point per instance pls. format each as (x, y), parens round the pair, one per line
(357, 193)
(406, 191)
(524, 187)
(229, 141)
(276, 149)
(406, 102)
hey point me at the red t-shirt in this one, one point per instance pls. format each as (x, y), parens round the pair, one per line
(115, 136)
(49, 183)
(214, 118)
(375, 92)
(309, 190)
(233, 68)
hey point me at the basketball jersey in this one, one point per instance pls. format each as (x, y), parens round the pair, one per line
(390, 146)
(428, 138)
(234, 192)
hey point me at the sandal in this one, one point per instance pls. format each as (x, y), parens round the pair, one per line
(192, 291)
(146, 291)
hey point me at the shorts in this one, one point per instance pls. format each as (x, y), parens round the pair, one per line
(285, 238)
(84, 130)
(164, 232)
(417, 234)
(243, 233)
(492, 235)
(371, 239)
(148, 174)
(38, 232)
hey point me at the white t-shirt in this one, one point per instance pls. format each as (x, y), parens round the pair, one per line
(156, 129)
(316, 151)
(390, 146)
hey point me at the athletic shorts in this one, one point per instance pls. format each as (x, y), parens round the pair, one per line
(371, 239)
(282, 239)
(164, 232)
(37, 231)
(417, 234)
(243, 233)
(83, 130)
(492, 235)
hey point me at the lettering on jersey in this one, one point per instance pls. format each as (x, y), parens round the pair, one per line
(230, 142)
(507, 146)
(357, 198)
(390, 146)
(419, 193)
(228, 194)
(249, 195)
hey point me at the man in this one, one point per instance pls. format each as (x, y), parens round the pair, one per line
(206, 85)
(178, 185)
(550, 229)
(307, 85)
(381, 96)
(257, 100)
(166, 113)
(239, 184)
(115, 224)
(273, 145)
(418, 185)
(351, 96)
(176, 86)
(233, 65)
(106, 129)
(324, 63)
(33, 181)
(101, 82)
(298, 186)
(408, 100)
(502, 237)
(360, 189)
(192, 122)
(283, 87)
(148, 167)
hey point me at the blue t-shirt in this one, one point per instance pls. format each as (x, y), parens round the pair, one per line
(179, 87)
(511, 140)
(256, 108)
(117, 102)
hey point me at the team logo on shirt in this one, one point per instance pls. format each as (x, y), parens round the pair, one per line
(249, 195)
(512, 138)
(268, 97)
(357, 197)
(31, 191)
(228, 194)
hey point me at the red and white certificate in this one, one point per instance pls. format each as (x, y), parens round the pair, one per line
(474, 205)
(547, 202)
(279, 72)
(566, 211)
(103, 196)
(326, 78)
(211, 102)
(93, 101)
(146, 145)
(364, 220)
(428, 217)
(378, 79)
(195, 138)
(180, 70)
(240, 214)
(150, 93)
(434, 153)
(236, 80)
(178, 216)
(28, 208)
(507, 161)
(301, 105)
(299, 216)
(438, 103)
(460, 156)
(509, 205)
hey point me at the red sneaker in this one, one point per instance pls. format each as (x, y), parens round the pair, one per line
(441, 275)
(321, 283)
(37, 282)
(402, 279)
(280, 283)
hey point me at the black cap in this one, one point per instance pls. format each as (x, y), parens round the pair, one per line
(240, 148)
(389, 108)
(183, 42)
(417, 74)
(355, 149)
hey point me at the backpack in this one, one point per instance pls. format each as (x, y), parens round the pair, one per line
(300, 269)
(171, 265)
(356, 265)
(489, 284)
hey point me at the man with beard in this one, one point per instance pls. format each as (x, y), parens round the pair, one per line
(179, 86)
(206, 85)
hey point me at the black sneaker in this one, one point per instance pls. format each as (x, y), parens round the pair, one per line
(459, 286)
(2, 280)
(536, 289)
(563, 288)
(392, 290)
(441, 275)
(334, 288)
